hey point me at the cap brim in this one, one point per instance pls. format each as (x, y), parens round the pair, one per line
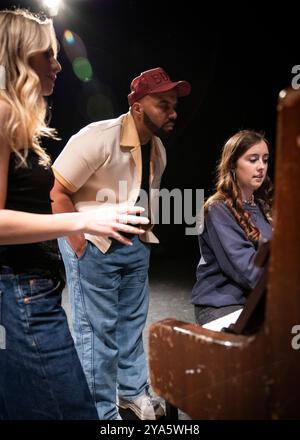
(183, 88)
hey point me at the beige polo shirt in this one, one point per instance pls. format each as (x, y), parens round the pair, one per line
(102, 164)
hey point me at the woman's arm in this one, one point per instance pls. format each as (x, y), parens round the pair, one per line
(234, 252)
(20, 227)
(4, 152)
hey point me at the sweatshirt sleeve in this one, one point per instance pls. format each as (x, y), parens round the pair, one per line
(234, 252)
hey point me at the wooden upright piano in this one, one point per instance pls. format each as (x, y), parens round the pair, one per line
(220, 375)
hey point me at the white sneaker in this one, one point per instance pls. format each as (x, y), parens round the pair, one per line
(145, 407)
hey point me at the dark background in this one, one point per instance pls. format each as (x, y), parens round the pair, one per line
(237, 57)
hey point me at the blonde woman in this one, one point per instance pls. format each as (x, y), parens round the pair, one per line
(41, 376)
(236, 217)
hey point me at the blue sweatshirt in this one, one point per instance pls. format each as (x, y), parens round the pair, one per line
(226, 272)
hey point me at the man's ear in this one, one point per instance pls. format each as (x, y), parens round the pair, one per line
(137, 108)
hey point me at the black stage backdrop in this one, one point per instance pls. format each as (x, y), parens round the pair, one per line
(237, 56)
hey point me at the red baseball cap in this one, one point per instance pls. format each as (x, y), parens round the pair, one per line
(155, 81)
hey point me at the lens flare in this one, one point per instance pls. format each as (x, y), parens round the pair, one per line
(82, 69)
(73, 45)
(69, 37)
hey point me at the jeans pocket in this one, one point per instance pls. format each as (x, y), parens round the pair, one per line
(71, 251)
(142, 276)
(39, 288)
(88, 243)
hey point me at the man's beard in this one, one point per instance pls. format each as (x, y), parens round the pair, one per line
(155, 129)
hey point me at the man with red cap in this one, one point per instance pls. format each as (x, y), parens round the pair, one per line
(116, 161)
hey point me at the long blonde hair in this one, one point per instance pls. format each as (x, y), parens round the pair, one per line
(23, 34)
(227, 189)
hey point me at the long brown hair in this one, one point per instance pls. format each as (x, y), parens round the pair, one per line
(227, 189)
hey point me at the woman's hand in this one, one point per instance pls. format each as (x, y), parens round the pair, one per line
(112, 221)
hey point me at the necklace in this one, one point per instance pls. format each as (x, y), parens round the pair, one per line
(250, 201)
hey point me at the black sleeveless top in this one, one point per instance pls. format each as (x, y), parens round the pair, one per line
(28, 189)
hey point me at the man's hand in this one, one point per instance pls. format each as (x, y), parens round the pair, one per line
(78, 243)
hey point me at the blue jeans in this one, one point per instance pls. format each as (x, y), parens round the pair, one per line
(109, 299)
(41, 376)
